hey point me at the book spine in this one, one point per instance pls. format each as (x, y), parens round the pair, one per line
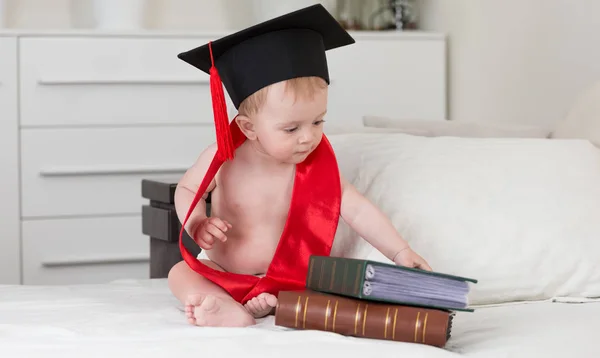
(352, 317)
(336, 275)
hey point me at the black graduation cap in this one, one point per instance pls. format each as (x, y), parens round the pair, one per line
(285, 47)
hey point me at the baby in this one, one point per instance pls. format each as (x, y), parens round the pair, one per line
(281, 170)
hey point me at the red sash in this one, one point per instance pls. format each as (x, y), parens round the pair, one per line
(310, 228)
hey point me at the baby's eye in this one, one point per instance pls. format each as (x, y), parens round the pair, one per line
(290, 130)
(319, 122)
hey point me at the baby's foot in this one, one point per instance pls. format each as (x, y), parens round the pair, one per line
(261, 305)
(212, 311)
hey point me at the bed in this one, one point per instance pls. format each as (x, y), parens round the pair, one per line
(141, 318)
(525, 224)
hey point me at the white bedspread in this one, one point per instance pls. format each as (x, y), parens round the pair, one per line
(141, 318)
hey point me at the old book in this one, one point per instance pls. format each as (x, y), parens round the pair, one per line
(310, 310)
(377, 281)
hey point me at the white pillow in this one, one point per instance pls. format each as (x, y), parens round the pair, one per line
(336, 128)
(457, 128)
(520, 215)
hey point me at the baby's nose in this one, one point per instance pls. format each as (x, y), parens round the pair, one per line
(306, 137)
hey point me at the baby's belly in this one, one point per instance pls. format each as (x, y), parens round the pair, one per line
(248, 255)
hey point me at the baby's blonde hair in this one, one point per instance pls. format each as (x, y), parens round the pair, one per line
(305, 87)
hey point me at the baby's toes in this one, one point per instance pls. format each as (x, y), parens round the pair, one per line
(247, 307)
(189, 314)
(190, 303)
(193, 300)
(271, 300)
(252, 305)
(262, 303)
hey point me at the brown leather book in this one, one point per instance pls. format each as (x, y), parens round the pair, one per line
(310, 310)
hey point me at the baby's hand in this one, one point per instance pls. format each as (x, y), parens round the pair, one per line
(206, 231)
(407, 257)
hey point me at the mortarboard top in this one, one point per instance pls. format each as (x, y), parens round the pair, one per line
(285, 47)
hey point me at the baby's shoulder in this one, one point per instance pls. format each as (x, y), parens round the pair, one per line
(198, 169)
(209, 152)
(206, 156)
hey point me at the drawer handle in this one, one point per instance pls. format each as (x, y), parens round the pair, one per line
(121, 81)
(82, 171)
(96, 260)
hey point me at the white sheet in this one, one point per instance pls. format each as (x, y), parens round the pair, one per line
(141, 318)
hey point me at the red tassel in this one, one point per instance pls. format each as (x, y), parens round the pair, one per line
(224, 140)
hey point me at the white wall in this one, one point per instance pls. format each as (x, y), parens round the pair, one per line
(159, 14)
(169, 14)
(515, 60)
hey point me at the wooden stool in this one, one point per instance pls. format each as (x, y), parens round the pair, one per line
(161, 224)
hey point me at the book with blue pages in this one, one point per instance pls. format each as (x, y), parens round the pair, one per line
(378, 281)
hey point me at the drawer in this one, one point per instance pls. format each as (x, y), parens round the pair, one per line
(110, 80)
(84, 171)
(84, 250)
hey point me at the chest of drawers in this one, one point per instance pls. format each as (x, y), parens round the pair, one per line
(84, 117)
(10, 261)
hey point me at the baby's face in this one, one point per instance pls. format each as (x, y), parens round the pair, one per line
(288, 126)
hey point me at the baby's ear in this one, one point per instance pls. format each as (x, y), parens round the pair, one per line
(246, 126)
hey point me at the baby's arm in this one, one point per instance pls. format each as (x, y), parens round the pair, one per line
(372, 225)
(202, 229)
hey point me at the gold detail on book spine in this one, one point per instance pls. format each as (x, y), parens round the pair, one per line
(387, 321)
(310, 273)
(305, 310)
(332, 275)
(417, 324)
(425, 325)
(394, 328)
(297, 310)
(334, 315)
(327, 312)
(365, 319)
(356, 319)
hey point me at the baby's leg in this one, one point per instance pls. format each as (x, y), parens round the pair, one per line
(206, 304)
